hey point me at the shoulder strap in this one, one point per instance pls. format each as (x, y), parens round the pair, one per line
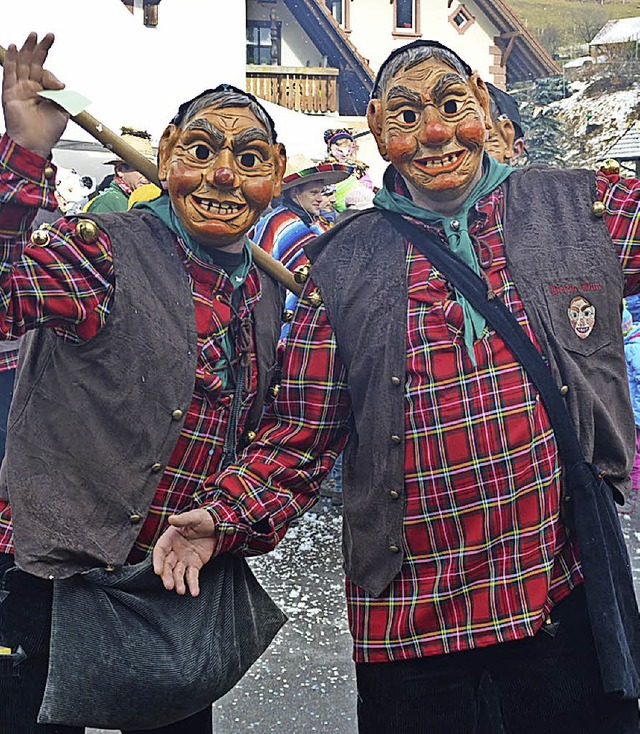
(506, 324)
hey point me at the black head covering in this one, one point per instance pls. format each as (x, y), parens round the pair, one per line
(507, 106)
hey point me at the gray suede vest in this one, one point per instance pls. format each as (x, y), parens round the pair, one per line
(556, 250)
(92, 426)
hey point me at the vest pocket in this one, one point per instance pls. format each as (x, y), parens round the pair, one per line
(580, 314)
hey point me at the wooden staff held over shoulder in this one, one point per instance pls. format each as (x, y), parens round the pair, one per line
(147, 168)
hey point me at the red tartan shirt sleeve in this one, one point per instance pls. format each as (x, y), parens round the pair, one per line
(621, 198)
(65, 284)
(277, 478)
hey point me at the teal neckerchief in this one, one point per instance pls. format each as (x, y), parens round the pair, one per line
(456, 228)
(162, 208)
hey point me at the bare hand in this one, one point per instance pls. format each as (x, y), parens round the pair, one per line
(183, 549)
(31, 121)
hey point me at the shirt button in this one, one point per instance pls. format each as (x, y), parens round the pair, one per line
(177, 414)
(394, 495)
(395, 380)
(134, 519)
(251, 435)
(394, 549)
(49, 173)
(395, 439)
(455, 225)
(564, 390)
(229, 531)
(155, 468)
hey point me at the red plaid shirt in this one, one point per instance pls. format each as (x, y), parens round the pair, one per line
(68, 286)
(485, 554)
(9, 359)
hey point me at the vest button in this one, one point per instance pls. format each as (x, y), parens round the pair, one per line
(229, 531)
(40, 238)
(395, 380)
(394, 495)
(610, 166)
(395, 439)
(110, 568)
(177, 414)
(250, 435)
(274, 390)
(88, 231)
(49, 173)
(394, 548)
(134, 519)
(314, 299)
(155, 468)
(564, 390)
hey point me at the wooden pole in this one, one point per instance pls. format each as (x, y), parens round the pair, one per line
(113, 142)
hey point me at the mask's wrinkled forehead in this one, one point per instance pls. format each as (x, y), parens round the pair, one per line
(406, 57)
(224, 96)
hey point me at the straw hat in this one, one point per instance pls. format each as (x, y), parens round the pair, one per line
(303, 170)
(139, 140)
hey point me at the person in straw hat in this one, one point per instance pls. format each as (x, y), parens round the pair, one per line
(285, 230)
(115, 197)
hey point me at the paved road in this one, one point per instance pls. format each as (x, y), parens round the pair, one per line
(304, 682)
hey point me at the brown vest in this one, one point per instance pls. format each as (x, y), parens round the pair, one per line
(92, 426)
(360, 269)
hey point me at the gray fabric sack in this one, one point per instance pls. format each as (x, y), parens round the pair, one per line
(127, 654)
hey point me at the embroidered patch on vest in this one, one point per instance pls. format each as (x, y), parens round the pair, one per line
(582, 316)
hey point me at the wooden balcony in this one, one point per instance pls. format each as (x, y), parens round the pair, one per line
(303, 89)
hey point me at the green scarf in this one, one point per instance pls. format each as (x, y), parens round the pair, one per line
(456, 229)
(163, 209)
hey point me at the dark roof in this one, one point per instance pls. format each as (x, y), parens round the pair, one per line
(528, 58)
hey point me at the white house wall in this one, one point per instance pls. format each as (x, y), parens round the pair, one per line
(372, 32)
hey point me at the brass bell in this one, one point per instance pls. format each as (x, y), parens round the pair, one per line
(40, 238)
(301, 273)
(314, 299)
(88, 231)
(287, 315)
(598, 208)
(610, 166)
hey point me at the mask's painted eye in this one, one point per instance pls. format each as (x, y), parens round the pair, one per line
(201, 152)
(451, 107)
(248, 160)
(409, 116)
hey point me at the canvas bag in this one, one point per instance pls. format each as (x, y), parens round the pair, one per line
(126, 653)
(588, 505)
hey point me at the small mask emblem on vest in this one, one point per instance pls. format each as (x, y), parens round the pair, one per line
(582, 316)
